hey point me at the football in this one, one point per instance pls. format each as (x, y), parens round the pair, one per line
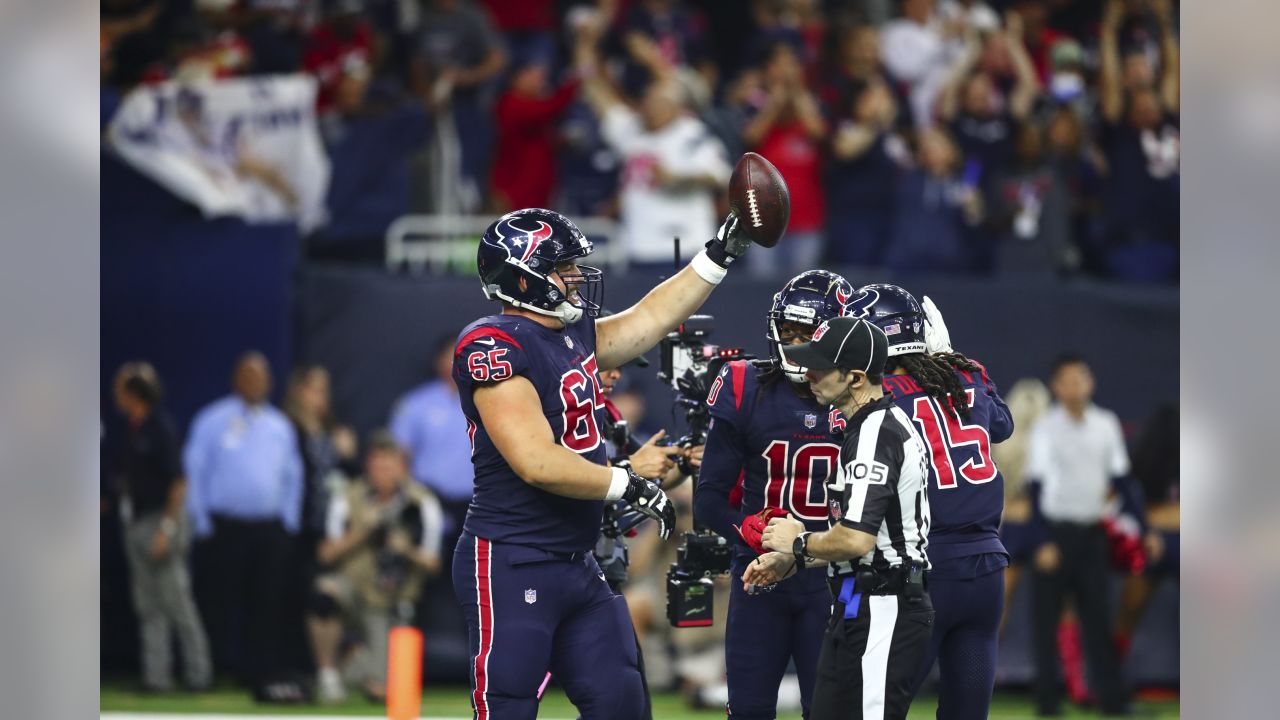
(759, 196)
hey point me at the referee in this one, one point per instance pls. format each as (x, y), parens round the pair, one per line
(878, 510)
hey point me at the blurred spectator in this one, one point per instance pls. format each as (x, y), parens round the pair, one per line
(382, 540)
(429, 425)
(1076, 454)
(788, 130)
(938, 210)
(855, 66)
(796, 23)
(981, 120)
(528, 27)
(1028, 400)
(324, 446)
(245, 501)
(157, 535)
(973, 15)
(1031, 210)
(275, 30)
(1141, 140)
(1081, 166)
(918, 50)
(678, 35)
(1156, 467)
(339, 44)
(524, 168)
(866, 159)
(458, 56)
(673, 168)
(1035, 35)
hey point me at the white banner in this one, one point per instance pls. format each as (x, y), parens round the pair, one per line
(245, 147)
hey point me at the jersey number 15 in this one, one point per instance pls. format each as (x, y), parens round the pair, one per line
(949, 437)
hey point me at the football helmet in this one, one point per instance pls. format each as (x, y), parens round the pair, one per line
(809, 299)
(529, 245)
(898, 314)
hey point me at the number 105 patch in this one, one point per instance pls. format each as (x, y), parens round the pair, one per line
(872, 473)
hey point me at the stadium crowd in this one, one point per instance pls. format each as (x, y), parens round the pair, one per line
(954, 136)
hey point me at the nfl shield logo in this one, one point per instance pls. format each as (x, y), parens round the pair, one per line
(822, 330)
(811, 421)
(568, 341)
(531, 596)
(835, 510)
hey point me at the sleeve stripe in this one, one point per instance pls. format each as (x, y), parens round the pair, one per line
(739, 370)
(483, 332)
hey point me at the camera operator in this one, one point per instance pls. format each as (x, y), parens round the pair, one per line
(382, 541)
(670, 463)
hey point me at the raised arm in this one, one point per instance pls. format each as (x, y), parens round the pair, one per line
(948, 103)
(1111, 94)
(1170, 87)
(1024, 94)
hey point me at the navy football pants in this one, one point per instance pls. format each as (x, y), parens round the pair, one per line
(529, 612)
(765, 632)
(964, 640)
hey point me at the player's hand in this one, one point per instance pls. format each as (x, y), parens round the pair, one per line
(936, 336)
(653, 460)
(1047, 558)
(767, 570)
(648, 498)
(780, 533)
(729, 244)
(693, 456)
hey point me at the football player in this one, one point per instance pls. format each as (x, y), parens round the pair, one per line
(958, 413)
(770, 448)
(533, 596)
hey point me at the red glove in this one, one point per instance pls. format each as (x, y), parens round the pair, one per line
(753, 527)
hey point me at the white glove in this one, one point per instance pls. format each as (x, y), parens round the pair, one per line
(936, 336)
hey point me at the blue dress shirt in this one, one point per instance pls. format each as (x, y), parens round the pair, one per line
(429, 424)
(242, 462)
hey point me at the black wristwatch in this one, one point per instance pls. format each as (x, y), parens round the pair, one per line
(798, 549)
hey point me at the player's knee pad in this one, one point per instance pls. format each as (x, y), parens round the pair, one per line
(322, 605)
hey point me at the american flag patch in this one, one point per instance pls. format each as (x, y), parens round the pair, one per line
(892, 329)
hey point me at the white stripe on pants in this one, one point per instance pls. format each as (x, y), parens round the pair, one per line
(875, 658)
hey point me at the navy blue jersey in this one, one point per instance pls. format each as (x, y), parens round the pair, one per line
(966, 490)
(561, 364)
(768, 446)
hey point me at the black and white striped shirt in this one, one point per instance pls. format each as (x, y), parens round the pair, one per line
(880, 487)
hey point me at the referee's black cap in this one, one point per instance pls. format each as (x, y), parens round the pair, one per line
(845, 343)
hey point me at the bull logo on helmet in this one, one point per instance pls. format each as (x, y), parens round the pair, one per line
(860, 307)
(522, 238)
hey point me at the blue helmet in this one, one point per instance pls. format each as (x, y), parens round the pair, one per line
(529, 244)
(809, 298)
(897, 313)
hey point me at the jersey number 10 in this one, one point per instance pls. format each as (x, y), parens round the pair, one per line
(800, 469)
(945, 434)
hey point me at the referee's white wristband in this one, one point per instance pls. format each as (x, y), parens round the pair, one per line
(707, 268)
(618, 485)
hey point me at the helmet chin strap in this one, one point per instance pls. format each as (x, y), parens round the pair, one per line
(568, 312)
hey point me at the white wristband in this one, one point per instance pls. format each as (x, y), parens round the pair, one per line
(707, 268)
(618, 485)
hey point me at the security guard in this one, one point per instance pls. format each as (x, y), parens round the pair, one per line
(878, 510)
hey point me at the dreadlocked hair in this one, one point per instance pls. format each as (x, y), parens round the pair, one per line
(936, 375)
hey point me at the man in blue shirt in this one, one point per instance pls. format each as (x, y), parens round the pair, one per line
(428, 422)
(245, 503)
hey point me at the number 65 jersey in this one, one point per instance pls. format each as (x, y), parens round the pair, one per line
(768, 446)
(966, 489)
(561, 365)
